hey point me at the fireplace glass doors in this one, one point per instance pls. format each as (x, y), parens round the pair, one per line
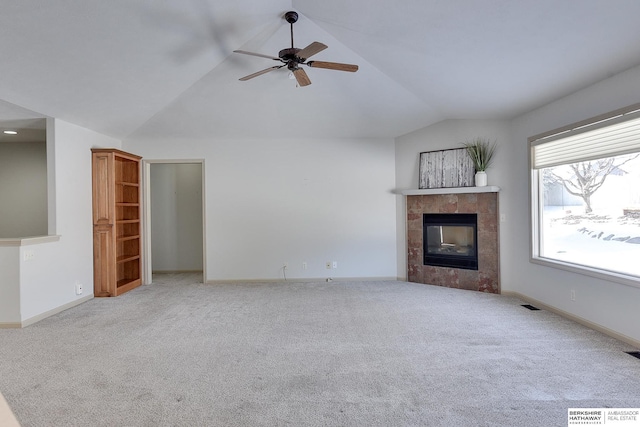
(450, 240)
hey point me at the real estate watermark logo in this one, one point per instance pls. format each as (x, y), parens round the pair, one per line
(627, 417)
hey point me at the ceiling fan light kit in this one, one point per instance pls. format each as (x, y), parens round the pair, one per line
(293, 58)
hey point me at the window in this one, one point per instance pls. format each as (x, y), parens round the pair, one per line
(585, 193)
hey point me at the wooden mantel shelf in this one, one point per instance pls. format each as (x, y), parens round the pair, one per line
(456, 190)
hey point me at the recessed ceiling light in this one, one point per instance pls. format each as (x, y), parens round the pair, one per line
(10, 132)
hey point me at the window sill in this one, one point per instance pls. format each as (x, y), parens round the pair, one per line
(624, 279)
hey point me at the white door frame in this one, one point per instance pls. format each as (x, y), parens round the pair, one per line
(146, 212)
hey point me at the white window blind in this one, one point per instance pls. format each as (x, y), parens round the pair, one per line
(605, 138)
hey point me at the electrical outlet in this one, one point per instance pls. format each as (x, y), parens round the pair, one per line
(328, 265)
(304, 265)
(573, 295)
(78, 288)
(28, 255)
(335, 264)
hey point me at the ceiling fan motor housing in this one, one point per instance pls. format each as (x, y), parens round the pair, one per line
(289, 54)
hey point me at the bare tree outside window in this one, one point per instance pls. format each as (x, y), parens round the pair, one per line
(583, 179)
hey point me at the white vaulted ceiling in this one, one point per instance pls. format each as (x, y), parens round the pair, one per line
(140, 68)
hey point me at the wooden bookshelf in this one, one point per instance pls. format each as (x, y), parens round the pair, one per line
(117, 243)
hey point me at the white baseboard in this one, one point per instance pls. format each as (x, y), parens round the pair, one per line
(589, 324)
(39, 317)
(175, 271)
(10, 325)
(304, 280)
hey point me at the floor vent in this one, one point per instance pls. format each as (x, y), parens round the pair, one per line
(530, 307)
(635, 354)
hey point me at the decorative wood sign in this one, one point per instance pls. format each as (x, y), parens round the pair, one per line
(446, 169)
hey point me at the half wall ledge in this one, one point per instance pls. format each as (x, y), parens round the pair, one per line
(24, 241)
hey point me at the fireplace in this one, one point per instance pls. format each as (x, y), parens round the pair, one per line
(450, 240)
(482, 202)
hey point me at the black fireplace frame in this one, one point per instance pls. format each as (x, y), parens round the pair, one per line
(450, 219)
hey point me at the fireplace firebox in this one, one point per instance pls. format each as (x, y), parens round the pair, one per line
(450, 240)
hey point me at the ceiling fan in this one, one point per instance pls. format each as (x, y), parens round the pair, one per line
(293, 57)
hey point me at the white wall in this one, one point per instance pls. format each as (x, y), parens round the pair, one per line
(445, 135)
(23, 189)
(48, 280)
(176, 216)
(293, 200)
(605, 303)
(9, 284)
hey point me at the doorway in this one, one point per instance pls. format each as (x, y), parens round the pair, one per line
(174, 217)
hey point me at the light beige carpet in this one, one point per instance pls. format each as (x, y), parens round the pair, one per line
(181, 353)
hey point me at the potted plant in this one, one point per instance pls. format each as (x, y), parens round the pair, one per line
(481, 151)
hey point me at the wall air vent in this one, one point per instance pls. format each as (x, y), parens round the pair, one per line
(635, 354)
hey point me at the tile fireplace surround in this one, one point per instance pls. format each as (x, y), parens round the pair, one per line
(480, 200)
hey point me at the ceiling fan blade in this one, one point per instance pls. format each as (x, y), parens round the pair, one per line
(311, 50)
(259, 73)
(301, 77)
(244, 52)
(333, 66)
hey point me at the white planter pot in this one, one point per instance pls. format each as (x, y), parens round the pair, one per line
(481, 179)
